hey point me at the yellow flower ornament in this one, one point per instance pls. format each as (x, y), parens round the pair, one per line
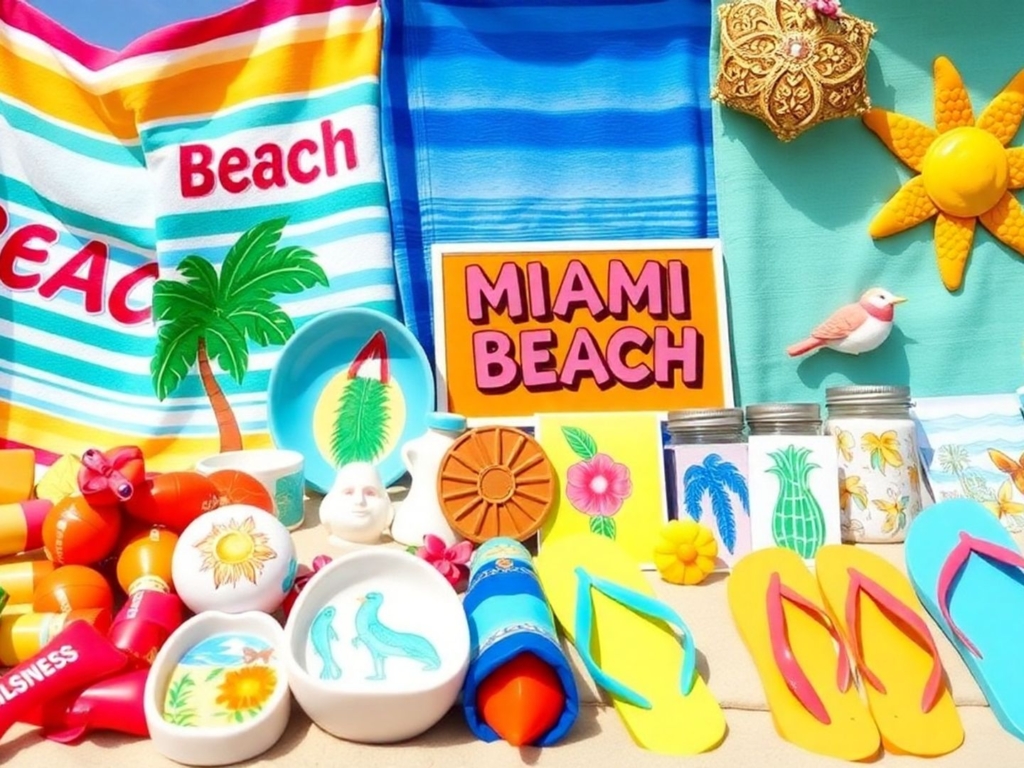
(685, 552)
(966, 170)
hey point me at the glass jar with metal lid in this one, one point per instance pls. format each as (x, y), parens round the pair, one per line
(784, 419)
(708, 470)
(697, 426)
(879, 469)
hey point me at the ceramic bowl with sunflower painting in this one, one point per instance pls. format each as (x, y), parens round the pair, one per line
(236, 558)
(218, 691)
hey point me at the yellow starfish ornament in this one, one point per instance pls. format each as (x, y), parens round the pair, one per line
(965, 170)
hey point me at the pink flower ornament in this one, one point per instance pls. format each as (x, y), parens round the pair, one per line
(598, 486)
(829, 8)
(451, 562)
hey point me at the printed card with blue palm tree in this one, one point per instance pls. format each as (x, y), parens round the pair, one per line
(711, 488)
(611, 477)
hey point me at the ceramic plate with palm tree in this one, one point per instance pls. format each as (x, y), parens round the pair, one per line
(351, 385)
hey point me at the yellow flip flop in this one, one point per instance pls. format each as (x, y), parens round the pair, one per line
(800, 656)
(634, 646)
(875, 607)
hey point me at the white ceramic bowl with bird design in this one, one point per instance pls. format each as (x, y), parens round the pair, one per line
(377, 646)
(217, 692)
(236, 558)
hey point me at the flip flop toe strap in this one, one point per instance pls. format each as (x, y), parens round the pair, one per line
(794, 675)
(955, 562)
(638, 603)
(901, 613)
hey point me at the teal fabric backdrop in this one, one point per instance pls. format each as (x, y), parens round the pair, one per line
(794, 220)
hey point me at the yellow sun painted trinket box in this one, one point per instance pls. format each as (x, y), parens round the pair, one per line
(236, 558)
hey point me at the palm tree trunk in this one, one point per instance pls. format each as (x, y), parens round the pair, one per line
(227, 424)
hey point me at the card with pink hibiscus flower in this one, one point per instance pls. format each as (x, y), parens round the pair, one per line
(611, 477)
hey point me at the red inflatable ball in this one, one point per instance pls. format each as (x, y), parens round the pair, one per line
(72, 588)
(174, 500)
(77, 533)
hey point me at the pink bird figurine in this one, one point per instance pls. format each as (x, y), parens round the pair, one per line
(855, 328)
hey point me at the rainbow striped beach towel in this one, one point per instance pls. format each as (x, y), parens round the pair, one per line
(170, 214)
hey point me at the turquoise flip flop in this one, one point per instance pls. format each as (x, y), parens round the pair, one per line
(969, 574)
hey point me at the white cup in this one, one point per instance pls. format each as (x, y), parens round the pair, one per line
(280, 472)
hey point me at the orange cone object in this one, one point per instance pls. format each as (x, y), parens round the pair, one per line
(521, 700)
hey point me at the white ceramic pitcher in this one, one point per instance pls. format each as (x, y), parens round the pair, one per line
(421, 513)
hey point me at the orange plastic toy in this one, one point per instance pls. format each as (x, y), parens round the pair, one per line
(495, 481)
(21, 526)
(17, 475)
(237, 487)
(72, 588)
(173, 499)
(146, 562)
(20, 580)
(521, 700)
(77, 533)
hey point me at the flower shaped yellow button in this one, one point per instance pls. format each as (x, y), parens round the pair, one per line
(685, 552)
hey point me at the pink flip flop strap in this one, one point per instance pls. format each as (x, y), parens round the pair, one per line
(956, 561)
(792, 672)
(900, 612)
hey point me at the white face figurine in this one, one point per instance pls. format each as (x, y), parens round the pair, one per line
(357, 508)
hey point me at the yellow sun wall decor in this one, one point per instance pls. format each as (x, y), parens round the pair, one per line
(966, 170)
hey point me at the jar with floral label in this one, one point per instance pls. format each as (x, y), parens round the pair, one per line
(879, 467)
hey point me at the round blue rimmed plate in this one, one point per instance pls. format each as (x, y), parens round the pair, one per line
(351, 385)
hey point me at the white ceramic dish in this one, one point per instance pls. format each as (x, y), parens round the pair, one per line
(237, 703)
(377, 646)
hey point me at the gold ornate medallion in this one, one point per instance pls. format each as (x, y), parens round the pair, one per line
(791, 66)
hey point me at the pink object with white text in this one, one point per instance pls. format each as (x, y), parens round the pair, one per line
(114, 704)
(145, 622)
(73, 660)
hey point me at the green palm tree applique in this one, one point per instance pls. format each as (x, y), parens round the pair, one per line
(212, 317)
(363, 416)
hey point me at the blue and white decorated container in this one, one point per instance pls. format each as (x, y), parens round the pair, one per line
(509, 616)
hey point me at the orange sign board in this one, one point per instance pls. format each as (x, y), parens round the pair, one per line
(535, 328)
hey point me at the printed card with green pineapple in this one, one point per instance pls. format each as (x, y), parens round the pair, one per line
(794, 492)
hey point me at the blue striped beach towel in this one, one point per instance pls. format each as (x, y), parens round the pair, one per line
(542, 120)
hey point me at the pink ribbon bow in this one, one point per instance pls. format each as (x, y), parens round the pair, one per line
(102, 472)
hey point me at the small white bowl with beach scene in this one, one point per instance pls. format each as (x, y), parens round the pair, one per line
(217, 692)
(377, 646)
